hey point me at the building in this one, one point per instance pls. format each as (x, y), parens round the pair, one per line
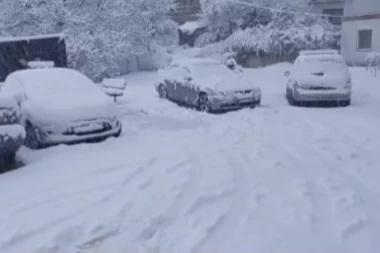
(360, 30)
(328, 7)
(186, 10)
(17, 52)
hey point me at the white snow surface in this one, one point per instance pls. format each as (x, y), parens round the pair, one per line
(190, 27)
(273, 179)
(58, 96)
(114, 83)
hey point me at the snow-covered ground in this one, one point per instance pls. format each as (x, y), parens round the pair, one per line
(273, 179)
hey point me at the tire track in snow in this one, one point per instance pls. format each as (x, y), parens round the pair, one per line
(152, 230)
(19, 204)
(370, 201)
(93, 206)
(330, 166)
(227, 225)
(322, 215)
(164, 229)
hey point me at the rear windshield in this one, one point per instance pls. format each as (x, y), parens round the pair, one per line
(321, 64)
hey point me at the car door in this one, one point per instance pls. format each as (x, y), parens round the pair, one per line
(180, 75)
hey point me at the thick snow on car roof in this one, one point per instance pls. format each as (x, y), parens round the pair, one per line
(55, 84)
(212, 74)
(58, 95)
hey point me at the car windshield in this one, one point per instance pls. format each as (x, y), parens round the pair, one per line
(321, 64)
(210, 69)
(54, 84)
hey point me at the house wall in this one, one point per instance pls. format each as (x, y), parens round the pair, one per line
(360, 14)
(349, 42)
(359, 7)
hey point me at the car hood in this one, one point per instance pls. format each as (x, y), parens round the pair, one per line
(61, 115)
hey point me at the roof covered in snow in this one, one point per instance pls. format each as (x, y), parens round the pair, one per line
(35, 37)
(191, 26)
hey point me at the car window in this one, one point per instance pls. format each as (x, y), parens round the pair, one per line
(179, 70)
(312, 64)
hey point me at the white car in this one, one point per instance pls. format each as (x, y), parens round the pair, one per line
(208, 85)
(319, 76)
(60, 105)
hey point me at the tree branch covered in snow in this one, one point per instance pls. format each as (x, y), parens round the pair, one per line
(246, 28)
(104, 37)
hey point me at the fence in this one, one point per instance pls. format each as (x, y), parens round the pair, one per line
(373, 63)
(255, 60)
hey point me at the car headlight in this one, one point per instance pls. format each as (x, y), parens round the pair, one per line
(348, 84)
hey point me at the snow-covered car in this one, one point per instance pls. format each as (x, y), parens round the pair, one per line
(207, 85)
(319, 76)
(12, 134)
(60, 105)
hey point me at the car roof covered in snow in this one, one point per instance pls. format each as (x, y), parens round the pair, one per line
(207, 73)
(53, 84)
(58, 95)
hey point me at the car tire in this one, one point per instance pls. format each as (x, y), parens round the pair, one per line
(162, 91)
(290, 97)
(344, 103)
(118, 132)
(7, 162)
(255, 104)
(204, 104)
(31, 139)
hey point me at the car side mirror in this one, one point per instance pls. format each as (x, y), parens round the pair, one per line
(287, 73)
(188, 78)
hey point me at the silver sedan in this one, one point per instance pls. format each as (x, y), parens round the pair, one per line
(207, 85)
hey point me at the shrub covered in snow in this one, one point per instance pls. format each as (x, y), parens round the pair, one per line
(104, 37)
(281, 28)
(12, 134)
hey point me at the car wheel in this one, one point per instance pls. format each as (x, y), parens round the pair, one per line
(257, 103)
(204, 104)
(31, 139)
(344, 103)
(118, 132)
(162, 91)
(7, 162)
(290, 97)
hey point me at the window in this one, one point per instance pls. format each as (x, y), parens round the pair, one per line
(365, 39)
(334, 15)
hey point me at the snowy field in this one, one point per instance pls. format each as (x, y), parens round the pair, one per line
(273, 179)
